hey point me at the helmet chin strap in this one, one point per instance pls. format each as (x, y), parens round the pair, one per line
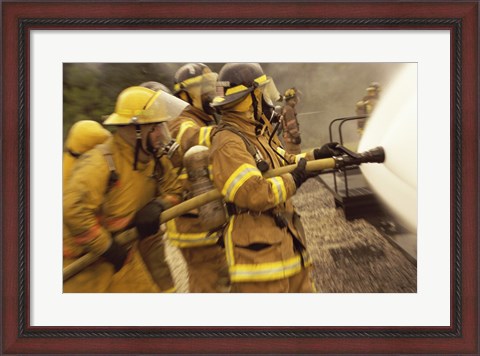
(255, 107)
(189, 98)
(138, 144)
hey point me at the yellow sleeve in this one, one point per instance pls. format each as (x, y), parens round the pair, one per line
(82, 198)
(238, 179)
(292, 158)
(170, 187)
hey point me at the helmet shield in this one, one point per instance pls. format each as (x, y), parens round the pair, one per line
(158, 137)
(270, 92)
(209, 84)
(161, 107)
(138, 105)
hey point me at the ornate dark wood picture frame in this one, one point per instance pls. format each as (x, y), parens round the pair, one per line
(18, 18)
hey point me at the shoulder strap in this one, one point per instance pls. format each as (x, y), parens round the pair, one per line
(250, 146)
(262, 165)
(108, 155)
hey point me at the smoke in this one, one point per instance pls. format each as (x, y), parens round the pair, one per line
(329, 91)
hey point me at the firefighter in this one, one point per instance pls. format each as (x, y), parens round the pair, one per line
(82, 136)
(119, 185)
(365, 106)
(264, 242)
(290, 125)
(195, 83)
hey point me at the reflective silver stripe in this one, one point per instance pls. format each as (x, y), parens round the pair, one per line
(300, 155)
(266, 271)
(188, 239)
(236, 180)
(278, 189)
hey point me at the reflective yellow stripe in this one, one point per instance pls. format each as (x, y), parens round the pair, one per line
(183, 175)
(183, 127)
(268, 271)
(281, 151)
(180, 239)
(236, 89)
(188, 82)
(261, 79)
(278, 187)
(229, 243)
(300, 155)
(236, 180)
(239, 88)
(204, 136)
(218, 99)
(175, 170)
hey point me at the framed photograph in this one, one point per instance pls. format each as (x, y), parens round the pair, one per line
(437, 41)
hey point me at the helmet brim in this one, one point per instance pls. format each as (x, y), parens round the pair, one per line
(227, 101)
(117, 120)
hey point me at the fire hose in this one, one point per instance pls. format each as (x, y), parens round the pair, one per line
(346, 159)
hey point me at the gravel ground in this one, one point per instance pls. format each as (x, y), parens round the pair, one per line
(349, 256)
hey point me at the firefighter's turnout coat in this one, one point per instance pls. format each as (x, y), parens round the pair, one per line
(258, 247)
(189, 129)
(97, 207)
(205, 259)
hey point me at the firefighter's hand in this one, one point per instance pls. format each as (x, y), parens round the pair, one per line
(297, 140)
(147, 219)
(326, 151)
(116, 255)
(300, 174)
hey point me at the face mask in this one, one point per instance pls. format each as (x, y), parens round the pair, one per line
(158, 138)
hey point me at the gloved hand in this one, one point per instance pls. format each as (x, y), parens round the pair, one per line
(297, 140)
(147, 219)
(326, 151)
(300, 174)
(116, 255)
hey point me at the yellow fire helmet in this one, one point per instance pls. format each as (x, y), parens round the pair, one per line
(237, 80)
(291, 93)
(374, 87)
(84, 135)
(195, 83)
(138, 106)
(193, 75)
